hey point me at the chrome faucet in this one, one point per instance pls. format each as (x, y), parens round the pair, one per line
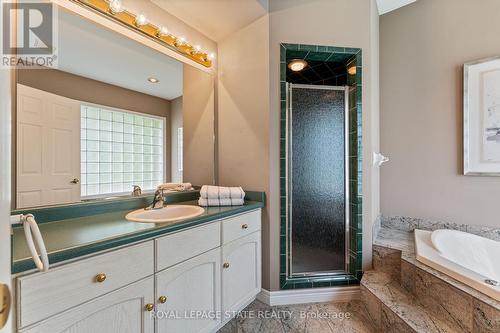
(136, 191)
(158, 200)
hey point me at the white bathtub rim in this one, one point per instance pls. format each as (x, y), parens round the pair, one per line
(475, 253)
(428, 255)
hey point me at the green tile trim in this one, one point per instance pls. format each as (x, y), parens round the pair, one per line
(79, 251)
(352, 56)
(83, 209)
(256, 196)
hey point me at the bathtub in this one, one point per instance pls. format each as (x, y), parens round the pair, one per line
(470, 259)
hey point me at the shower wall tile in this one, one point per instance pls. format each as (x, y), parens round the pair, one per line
(308, 47)
(327, 53)
(334, 49)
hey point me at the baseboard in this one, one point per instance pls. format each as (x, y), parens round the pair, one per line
(300, 296)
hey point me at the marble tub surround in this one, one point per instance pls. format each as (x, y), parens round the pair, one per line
(394, 309)
(468, 258)
(387, 260)
(421, 299)
(310, 318)
(404, 242)
(78, 230)
(405, 223)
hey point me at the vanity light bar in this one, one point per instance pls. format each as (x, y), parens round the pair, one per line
(139, 23)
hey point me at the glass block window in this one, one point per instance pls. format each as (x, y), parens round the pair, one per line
(120, 149)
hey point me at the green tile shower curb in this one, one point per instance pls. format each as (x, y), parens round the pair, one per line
(324, 53)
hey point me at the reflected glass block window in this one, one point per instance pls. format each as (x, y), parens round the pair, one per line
(120, 149)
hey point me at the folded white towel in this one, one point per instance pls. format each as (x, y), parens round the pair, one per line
(220, 192)
(204, 202)
(180, 187)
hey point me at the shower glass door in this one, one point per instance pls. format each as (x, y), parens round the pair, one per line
(317, 173)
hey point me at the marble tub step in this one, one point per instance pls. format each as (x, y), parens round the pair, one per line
(393, 309)
(440, 295)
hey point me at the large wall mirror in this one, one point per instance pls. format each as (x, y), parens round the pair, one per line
(114, 114)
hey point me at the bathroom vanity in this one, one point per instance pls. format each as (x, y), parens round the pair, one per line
(123, 114)
(192, 276)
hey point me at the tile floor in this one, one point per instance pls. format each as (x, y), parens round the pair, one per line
(311, 318)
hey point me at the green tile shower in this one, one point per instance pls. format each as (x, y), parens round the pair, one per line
(320, 167)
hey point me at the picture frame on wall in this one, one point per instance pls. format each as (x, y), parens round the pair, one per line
(481, 117)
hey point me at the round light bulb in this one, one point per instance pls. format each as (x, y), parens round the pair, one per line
(115, 6)
(163, 31)
(141, 20)
(297, 65)
(182, 40)
(197, 48)
(211, 56)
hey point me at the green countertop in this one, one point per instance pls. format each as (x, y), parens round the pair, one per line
(74, 237)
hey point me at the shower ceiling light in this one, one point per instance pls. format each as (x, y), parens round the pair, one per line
(153, 80)
(297, 65)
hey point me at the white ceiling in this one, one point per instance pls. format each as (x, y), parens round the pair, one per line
(385, 6)
(94, 52)
(216, 19)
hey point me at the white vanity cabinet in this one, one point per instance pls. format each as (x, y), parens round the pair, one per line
(121, 311)
(191, 281)
(188, 295)
(241, 274)
(241, 256)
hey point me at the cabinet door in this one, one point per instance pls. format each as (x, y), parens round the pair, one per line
(122, 311)
(241, 275)
(192, 291)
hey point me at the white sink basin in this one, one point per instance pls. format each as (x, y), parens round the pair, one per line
(167, 214)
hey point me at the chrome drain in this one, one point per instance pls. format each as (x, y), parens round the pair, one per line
(492, 282)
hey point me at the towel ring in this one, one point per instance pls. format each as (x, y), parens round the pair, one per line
(34, 240)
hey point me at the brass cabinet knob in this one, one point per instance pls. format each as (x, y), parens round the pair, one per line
(225, 265)
(244, 226)
(149, 307)
(100, 277)
(75, 181)
(162, 299)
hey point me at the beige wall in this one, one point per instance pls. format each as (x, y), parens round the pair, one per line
(198, 121)
(176, 26)
(92, 91)
(423, 47)
(243, 117)
(249, 106)
(175, 124)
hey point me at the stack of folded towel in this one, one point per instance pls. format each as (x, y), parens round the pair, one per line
(221, 196)
(178, 187)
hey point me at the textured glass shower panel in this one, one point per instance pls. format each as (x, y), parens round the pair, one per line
(317, 196)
